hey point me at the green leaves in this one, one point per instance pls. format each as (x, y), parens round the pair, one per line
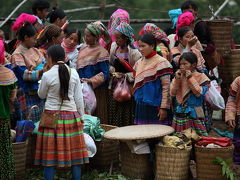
(226, 170)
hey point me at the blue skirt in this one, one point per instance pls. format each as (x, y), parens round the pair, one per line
(146, 114)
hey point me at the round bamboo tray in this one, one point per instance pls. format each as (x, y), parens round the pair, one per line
(135, 166)
(221, 34)
(206, 169)
(107, 152)
(19, 155)
(230, 69)
(172, 163)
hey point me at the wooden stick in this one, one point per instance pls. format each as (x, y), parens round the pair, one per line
(10, 15)
(88, 8)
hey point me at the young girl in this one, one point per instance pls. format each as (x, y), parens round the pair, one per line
(152, 84)
(27, 63)
(232, 117)
(70, 42)
(188, 89)
(63, 146)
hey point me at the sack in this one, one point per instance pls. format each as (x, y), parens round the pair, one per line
(49, 120)
(121, 92)
(89, 98)
(214, 98)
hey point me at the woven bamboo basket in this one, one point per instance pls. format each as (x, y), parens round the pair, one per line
(221, 34)
(31, 150)
(135, 166)
(19, 155)
(172, 163)
(230, 69)
(206, 169)
(107, 152)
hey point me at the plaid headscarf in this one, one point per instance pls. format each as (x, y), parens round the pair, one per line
(127, 30)
(116, 18)
(158, 33)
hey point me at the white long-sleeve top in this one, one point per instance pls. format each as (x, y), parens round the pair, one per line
(49, 89)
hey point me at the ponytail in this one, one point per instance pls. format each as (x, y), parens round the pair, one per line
(57, 54)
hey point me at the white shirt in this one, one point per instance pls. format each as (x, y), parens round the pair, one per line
(49, 89)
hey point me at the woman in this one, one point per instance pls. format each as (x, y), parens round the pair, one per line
(69, 44)
(116, 18)
(27, 63)
(161, 38)
(188, 88)
(186, 42)
(122, 114)
(93, 67)
(64, 145)
(57, 17)
(232, 115)
(7, 95)
(151, 85)
(51, 35)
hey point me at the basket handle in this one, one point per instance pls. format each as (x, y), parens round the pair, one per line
(30, 110)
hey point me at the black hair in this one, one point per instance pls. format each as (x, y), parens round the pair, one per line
(189, 5)
(189, 57)
(39, 5)
(127, 38)
(68, 33)
(26, 30)
(56, 13)
(149, 39)
(56, 52)
(181, 32)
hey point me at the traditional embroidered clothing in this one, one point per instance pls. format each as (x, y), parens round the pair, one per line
(7, 84)
(151, 89)
(233, 113)
(27, 65)
(116, 18)
(189, 101)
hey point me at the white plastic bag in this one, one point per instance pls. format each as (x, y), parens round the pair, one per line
(214, 98)
(91, 146)
(89, 98)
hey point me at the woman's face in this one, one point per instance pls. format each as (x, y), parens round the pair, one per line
(72, 40)
(145, 48)
(120, 40)
(184, 40)
(30, 42)
(89, 38)
(60, 22)
(185, 65)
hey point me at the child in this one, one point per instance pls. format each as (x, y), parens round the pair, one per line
(188, 88)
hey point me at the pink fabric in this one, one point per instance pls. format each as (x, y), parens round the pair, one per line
(116, 18)
(67, 48)
(185, 19)
(2, 49)
(22, 19)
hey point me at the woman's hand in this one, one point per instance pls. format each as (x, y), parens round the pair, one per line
(118, 75)
(178, 74)
(162, 114)
(231, 123)
(192, 42)
(86, 80)
(188, 74)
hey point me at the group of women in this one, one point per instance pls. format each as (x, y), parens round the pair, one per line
(48, 65)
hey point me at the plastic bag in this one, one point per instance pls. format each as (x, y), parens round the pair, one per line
(121, 92)
(89, 98)
(214, 98)
(91, 146)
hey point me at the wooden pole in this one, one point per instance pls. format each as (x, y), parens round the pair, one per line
(88, 8)
(102, 9)
(10, 15)
(219, 9)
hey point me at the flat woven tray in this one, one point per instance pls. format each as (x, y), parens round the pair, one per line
(136, 132)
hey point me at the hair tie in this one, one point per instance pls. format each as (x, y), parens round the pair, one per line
(61, 62)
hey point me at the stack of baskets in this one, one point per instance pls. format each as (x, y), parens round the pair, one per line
(107, 152)
(172, 163)
(206, 169)
(133, 165)
(19, 155)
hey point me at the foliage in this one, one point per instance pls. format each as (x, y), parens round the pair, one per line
(226, 170)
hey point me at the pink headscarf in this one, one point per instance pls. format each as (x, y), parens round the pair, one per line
(2, 49)
(22, 18)
(185, 19)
